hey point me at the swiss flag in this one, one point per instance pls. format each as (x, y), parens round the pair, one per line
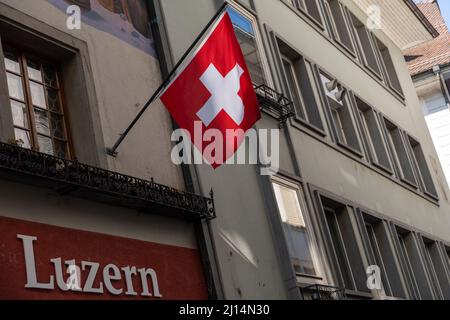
(215, 91)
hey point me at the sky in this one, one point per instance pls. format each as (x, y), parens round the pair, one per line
(445, 9)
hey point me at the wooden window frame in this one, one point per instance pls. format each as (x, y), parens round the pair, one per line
(25, 82)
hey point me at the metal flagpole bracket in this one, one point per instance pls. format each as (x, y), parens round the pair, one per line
(113, 150)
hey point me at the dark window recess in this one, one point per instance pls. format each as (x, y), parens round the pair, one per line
(335, 98)
(372, 135)
(400, 154)
(338, 24)
(345, 252)
(382, 255)
(311, 7)
(364, 45)
(436, 266)
(415, 264)
(299, 86)
(423, 170)
(388, 67)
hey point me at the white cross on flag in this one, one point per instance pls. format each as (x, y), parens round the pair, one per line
(215, 89)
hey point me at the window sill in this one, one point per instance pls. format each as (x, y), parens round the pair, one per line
(297, 121)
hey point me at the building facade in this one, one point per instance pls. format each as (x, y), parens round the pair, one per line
(429, 64)
(359, 177)
(76, 223)
(358, 185)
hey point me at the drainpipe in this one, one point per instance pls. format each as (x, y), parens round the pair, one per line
(439, 75)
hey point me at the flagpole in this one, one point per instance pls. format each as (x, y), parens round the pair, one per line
(113, 150)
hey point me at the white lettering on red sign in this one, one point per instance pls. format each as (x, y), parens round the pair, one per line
(111, 275)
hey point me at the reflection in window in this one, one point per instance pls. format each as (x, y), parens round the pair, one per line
(246, 36)
(35, 101)
(298, 240)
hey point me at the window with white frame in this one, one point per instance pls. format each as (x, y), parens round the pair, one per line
(246, 33)
(292, 212)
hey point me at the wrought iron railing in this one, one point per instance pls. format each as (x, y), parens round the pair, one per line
(322, 292)
(275, 103)
(68, 176)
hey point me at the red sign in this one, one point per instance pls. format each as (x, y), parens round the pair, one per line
(40, 261)
(215, 90)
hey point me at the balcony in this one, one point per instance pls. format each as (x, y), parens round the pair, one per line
(321, 292)
(274, 103)
(73, 178)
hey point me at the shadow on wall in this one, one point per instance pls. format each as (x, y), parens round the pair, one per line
(128, 20)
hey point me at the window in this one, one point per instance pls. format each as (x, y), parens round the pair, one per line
(399, 153)
(310, 7)
(345, 254)
(422, 167)
(338, 24)
(36, 104)
(364, 45)
(299, 87)
(340, 113)
(436, 267)
(388, 67)
(291, 210)
(382, 254)
(372, 135)
(415, 265)
(246, 35)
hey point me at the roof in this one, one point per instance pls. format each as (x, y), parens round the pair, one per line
(425, 56)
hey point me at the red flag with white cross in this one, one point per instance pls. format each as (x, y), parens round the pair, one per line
(214, 90)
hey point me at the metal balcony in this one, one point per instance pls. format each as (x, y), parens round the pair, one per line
(274, 103)
(77, 179)
(321, 292)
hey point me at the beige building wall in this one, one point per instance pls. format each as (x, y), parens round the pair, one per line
(242, 231)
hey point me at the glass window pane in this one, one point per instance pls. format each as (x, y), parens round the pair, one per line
(38, 95)
(53, 100)
(57, 126)
(49, 75)
(45, 145)
(245, 34)
(12, 62)
(239, 21)
(297, 238)
(34, 70)
(19, 113)
(42, 122)
(60, 149)
(15, 86)
(289, 205)
(23, 138)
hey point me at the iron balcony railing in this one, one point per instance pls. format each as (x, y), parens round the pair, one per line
(275, 103)
(78, 179)
(322, 292)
